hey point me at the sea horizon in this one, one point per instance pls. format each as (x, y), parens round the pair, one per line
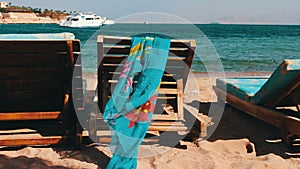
(220, 47)
(214, 23)
(184, 23)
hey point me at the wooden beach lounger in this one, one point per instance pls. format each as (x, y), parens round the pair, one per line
(36, 100)
(169, 112)
(265, 98)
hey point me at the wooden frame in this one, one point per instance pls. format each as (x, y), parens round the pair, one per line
(272, 116)
(289, 124)
(112, 51)
(37, 81)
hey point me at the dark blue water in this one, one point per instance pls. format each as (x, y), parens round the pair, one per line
(220, 47)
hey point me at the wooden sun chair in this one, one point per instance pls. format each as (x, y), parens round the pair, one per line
(169, 112)
(266, 97)
(37, 106)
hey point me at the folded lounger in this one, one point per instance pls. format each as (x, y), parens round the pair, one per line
(169, 112)
(38, 98)
(262, 97)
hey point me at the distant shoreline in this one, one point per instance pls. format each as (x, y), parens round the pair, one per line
(29, 21)
(25, 18)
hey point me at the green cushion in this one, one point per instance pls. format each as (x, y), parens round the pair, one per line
(243, 88)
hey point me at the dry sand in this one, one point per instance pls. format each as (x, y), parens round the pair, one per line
(239, 141)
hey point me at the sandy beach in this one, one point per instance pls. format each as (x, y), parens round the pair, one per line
(237, 140)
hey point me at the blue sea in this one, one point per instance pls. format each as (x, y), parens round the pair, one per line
(220, 47)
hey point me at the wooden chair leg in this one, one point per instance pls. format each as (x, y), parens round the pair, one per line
(180, 99)
(287, 138)
(203, 129)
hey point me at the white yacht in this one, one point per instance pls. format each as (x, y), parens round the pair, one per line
(82, 20)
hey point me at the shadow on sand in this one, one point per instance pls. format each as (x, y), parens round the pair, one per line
(235, 124)
(87, 154)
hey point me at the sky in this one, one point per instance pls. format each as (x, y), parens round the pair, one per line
(193, 11)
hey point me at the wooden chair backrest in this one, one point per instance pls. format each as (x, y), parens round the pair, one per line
(113, 50)
(35, 75)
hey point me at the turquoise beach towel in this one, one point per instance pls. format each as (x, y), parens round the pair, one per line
(129, 117)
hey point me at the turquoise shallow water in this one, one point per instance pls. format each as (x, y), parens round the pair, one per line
(232, 48)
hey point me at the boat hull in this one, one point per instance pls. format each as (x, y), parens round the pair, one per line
(81, 25)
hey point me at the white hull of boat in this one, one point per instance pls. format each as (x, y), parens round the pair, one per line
(82, 24)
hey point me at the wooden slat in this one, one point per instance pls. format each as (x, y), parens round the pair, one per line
(164, 117)
(32, 59)
(115, 41)
(31, 105)
(9, 116)
(164, 98)
(166, 123)
(167, 128)
(50, 140)
(39, 102)
(31, 72)
(107, 47)
(127, 41)
(113, 59)
(167, 83)
(167, 91)
(180, 43)
(32, 46)
(122, 50)
(104, 140)
(26, 84)
(179, 63)
(31, 94)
